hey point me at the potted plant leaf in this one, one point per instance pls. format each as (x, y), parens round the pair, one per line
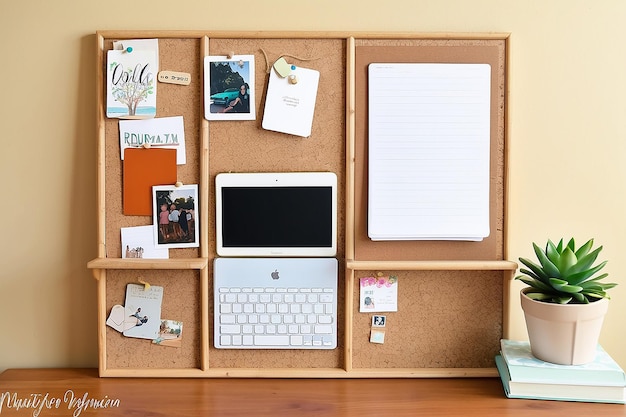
(565, 301)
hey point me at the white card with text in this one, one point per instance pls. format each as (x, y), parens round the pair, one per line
(290, 102)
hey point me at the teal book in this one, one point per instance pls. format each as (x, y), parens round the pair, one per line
(524, 367)
(558, 392)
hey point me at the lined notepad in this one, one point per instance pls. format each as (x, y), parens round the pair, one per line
(429, 141)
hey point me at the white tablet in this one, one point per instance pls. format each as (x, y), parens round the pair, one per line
(276, 214)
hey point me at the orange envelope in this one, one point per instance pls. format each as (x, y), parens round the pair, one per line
(144, 168)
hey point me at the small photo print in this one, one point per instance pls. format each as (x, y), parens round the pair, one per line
(379, 321)
(170, 333)
(229, 88)
(176, 216)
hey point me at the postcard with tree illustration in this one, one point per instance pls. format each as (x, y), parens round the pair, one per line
(131, 83)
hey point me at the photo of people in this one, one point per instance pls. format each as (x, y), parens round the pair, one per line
(176, 215)
(229, 88)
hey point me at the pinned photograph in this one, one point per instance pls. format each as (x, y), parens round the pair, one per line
(229, 88)
(379, 321)
(170, 333)
(175, 216)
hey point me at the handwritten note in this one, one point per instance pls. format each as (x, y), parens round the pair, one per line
(161, 132)
(429, 142)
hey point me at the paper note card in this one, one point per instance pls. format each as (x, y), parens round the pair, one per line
(290, 102)
(378, 294)
(138, 243)
(162, 132)
(131, 83)
(143, 311)
(429, 144)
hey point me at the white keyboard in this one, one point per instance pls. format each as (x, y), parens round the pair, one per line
(275, 303)
(275, 318)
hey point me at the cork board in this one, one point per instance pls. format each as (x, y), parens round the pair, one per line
(183, 55)
(180, 303)
(436, 326)
(244, 146)
(441, 322)
(491, 51)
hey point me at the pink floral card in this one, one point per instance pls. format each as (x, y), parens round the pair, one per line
(379, 294)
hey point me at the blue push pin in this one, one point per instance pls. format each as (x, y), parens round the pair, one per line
(129, 49)
(293, 67)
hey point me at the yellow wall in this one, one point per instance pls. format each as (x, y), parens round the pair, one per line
(567, 138)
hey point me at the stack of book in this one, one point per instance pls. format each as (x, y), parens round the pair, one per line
(524, 376)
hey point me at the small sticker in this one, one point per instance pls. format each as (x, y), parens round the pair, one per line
(173, 77)
(379, 321)
(377, 336)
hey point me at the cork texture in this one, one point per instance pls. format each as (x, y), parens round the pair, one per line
(181, 302)
(445, 319)
(244, 146)
(182, 55)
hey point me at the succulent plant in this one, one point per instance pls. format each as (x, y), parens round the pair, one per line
(565, 274)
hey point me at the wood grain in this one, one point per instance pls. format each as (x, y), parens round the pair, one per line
(280, 397)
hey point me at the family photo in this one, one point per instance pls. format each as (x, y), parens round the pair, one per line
(176, 216)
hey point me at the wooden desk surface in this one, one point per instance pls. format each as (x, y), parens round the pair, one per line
(271, 397)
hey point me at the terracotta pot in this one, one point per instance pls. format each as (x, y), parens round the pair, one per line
(565, 334)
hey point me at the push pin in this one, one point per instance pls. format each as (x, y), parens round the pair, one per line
(146, 145)
(293, 79)
(178, 184)
(129, 49)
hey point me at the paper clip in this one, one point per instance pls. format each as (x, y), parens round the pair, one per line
(146, 286)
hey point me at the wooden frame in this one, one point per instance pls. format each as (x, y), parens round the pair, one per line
(189, 270)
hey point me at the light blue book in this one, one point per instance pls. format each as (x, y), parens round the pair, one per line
(559, 392)
(524, 367)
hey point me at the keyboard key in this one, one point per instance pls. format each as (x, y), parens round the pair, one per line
(323, 329)
(228, 319)
(271, 340)
(230, 329)
(326, 298)
(325, 319)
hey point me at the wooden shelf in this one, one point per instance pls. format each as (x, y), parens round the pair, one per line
(175, 263)
(432, 265)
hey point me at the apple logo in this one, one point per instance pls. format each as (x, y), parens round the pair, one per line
(275, 274)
